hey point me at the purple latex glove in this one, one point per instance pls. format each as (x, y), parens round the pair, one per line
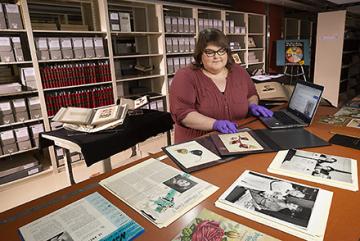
(225, 126)
(258, 110)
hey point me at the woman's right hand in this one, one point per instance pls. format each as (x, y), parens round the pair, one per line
(225, 126)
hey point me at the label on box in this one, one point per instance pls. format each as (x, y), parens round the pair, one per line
(5, 41)
(114, 16)
(15, 40)
(29, 71)
(5, 106)
(33, 171)
(66, 43)
(54, 43)
(37, 128)
(21, 132)
(77, 42)
(41, 43)
(34, 100)
(88, 42)
(115, 27)
(59, 152)
(11, 8)
(98, 42)
(6, 135)
(18, 103)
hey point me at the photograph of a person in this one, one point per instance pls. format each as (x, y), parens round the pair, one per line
(319, 165)
(279, 199)
(63, 236)
(180, 183)
(239, 142)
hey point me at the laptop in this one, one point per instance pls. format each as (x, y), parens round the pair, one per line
(301, 110)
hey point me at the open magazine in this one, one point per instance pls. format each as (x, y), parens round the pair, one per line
(98, 119)
(90, 218)
(317, 167)
(159, 192)
(290, 207)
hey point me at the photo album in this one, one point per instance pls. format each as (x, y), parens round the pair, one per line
(326, 169)
(89, 116)
(265, 140)
(196, 155)
(291, 207)
(157, 191)
(91, 120)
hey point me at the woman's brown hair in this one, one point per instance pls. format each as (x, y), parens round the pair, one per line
(215, 37)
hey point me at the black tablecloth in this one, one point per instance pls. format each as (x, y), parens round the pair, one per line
(101, 145)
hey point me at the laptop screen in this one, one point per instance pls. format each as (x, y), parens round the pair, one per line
(304, 100)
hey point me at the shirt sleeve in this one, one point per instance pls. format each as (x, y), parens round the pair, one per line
(251, 86)
(182, 94)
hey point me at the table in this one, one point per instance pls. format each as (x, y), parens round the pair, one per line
(101, 145)
(343, 223)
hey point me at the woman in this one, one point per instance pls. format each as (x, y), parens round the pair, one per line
(213, 92)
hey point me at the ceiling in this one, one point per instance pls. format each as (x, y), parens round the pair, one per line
(352, 6)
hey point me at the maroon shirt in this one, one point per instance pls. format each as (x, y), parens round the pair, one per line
(191, 90)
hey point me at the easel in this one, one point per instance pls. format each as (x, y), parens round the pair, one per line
(291, 74)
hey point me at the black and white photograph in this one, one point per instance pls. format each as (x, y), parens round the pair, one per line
(317, 166)
(180, 183)
(279, 199)
(288, 206)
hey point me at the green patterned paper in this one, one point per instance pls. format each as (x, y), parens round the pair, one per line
(210, 226)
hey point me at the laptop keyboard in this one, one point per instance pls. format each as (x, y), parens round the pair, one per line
(284, 118)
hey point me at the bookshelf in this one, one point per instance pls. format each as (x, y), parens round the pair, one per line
(21, 118)
(339, 74)
(136, 51)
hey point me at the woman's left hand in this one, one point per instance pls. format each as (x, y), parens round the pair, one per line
(258, 110)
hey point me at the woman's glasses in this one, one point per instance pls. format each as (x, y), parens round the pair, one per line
(211, 53)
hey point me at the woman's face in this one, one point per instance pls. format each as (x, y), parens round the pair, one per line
(183, 183)
(214, 58)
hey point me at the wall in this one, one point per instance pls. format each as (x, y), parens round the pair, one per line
(276, 17)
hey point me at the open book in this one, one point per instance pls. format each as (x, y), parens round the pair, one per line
(135, 104)
(91, 120)
(273, 91)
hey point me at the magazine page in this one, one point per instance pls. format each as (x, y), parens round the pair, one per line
(211, 226)
(159, 192)
(77, 115)
(291, 207)
(191, 154)
(105, 115)
(317, 167)
(90, 218)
